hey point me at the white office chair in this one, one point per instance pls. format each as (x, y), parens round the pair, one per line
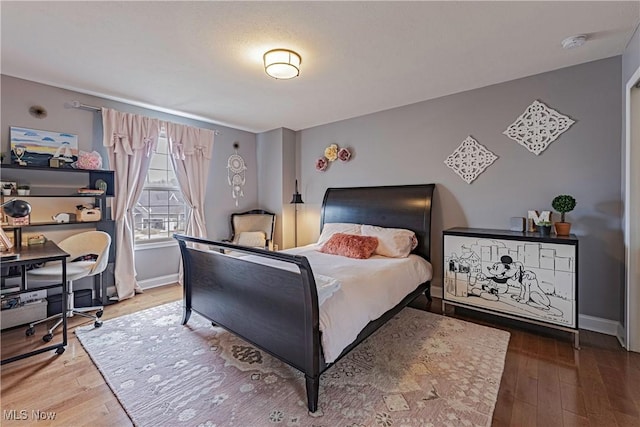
(87, 244)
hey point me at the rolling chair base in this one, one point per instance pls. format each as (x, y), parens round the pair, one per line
(76, 311)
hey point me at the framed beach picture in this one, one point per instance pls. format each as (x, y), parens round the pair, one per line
(33, 147)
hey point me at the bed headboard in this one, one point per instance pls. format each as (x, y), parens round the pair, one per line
(394, 206)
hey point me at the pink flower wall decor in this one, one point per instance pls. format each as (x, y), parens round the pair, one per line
(344, 155)
(331, 154)
(321, 164)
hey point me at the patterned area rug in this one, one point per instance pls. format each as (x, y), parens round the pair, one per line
(420, 369)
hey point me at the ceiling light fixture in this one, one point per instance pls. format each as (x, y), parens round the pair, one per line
(574, 41)
(282, 64)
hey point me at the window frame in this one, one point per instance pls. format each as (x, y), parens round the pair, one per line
(148, 189)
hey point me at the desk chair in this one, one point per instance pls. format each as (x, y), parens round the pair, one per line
(253, 228)
(88, 244)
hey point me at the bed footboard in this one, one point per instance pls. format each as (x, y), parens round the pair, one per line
(273, 308)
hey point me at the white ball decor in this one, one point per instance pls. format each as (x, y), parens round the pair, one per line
(470, 159)
(538, 127)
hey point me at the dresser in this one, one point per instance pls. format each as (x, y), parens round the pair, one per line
(519, 275)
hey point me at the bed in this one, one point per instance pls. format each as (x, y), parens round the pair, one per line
(276, 308)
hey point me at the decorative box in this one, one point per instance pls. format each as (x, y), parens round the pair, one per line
(88, 215)
(36, 240)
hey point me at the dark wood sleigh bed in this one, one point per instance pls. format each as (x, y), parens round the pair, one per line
(277, 310)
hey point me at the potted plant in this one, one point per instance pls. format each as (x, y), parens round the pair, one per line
(23, 190)
(6, 189)
(545, 228)
(563, 203)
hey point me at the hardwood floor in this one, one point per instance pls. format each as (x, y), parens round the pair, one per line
(545, 381)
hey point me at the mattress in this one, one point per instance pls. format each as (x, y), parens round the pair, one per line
(368, 288)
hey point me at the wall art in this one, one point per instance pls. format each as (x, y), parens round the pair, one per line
(32, 147)
(236, 174)
(470, 159)
(538, 127)
(331, 154)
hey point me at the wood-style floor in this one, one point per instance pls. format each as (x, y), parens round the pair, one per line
(545, 383)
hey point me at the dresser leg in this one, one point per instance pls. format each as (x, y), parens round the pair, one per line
(576, 340)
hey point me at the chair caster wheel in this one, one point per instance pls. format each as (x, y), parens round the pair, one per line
(60, 350)
(30, 331)
(97, 324)
(47, 337)
(99, 313)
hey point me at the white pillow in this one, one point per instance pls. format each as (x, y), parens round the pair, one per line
(392, 242)
(252, 239)
(331, 228)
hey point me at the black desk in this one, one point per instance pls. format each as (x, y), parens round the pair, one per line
(37, 254)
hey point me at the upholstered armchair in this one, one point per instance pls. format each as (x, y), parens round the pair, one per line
(253, 228)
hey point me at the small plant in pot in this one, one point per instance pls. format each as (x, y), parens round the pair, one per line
(544, 227)
(24, 190)
(7, 189)
(563, 203)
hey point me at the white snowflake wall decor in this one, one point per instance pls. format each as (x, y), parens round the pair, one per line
(538, 127)
(470, 159)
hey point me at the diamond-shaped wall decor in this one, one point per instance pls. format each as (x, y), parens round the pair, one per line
(470, 159)
(538, 127)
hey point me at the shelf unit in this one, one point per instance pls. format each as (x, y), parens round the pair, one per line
(62, 184)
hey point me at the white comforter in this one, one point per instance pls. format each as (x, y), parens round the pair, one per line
(365, 289)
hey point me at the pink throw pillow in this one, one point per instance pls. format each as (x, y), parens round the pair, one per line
(350, 245)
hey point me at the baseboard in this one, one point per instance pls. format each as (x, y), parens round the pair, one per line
(158, 281)
(598, 324)
(622, 336)
(590, 323)
(436, 291)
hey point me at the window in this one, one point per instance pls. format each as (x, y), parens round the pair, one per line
(161, 209)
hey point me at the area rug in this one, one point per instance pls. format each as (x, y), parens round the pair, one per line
(420, 369)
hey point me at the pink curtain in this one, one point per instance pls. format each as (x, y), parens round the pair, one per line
(130, 140)
(191, 149)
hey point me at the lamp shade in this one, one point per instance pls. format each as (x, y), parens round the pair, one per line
(297, 197)
(282, 64)
(17, 208)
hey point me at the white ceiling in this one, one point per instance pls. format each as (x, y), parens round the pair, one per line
(205, 58)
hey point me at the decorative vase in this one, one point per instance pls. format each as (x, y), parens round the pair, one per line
(545, 230)
(563, 228)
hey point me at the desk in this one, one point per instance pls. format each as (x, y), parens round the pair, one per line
(37, 254)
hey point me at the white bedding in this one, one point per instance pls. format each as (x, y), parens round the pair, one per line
(367, 289)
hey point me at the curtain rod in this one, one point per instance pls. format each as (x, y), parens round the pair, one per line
(81, 106)
(77, 104)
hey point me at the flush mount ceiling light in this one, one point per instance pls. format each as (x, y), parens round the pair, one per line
(574, 41)
(282, 64)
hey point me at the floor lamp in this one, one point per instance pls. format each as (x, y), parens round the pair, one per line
(296, 200)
